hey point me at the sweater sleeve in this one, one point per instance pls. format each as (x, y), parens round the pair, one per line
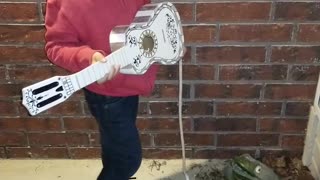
(63, 47)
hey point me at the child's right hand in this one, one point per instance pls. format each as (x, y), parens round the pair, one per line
(114, 70)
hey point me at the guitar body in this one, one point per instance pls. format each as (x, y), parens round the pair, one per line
(154, 36)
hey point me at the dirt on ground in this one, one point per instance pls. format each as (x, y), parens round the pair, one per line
(287, 168)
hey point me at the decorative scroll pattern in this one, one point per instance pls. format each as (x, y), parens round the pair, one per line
(137, 60)
(31, 101)
(132, 41)
(172, 32)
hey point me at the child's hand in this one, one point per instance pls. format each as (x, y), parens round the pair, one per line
(114, 70)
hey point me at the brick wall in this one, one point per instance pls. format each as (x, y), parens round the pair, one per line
(250, 74)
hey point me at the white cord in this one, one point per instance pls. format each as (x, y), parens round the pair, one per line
(184, 167)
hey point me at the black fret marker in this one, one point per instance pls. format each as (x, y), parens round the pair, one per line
(50, 100)
(45, 88)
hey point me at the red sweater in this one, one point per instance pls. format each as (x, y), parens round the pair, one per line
(76, 29)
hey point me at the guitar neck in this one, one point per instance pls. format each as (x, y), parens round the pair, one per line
(99, 69)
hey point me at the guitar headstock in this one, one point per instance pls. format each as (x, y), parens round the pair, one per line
(46, 94)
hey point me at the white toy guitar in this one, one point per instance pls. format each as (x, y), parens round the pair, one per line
(155, 35)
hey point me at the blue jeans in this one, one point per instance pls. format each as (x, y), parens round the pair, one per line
(119, 137)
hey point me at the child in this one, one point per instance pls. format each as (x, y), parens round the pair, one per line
(78, 35)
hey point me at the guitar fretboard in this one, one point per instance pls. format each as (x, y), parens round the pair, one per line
(98, 70)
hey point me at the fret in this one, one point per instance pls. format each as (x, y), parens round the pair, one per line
(85, 77)
(74, 82)
(98, 70)
(68, 85)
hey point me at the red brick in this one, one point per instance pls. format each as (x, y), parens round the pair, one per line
(173, 139)
(170, 72)
(219, 153)
(12, 139)
(187, 56)
(43, 9)
(94, 139)
(185, 11)
(295, 54)
(256, 33)
(37, 152)
(8, 108)
(227, 91)
(309, 33)
(199, 33)
(10, 90)
(22, 55)
(18, 12)
(23, 112)
(170, 91)
(304, 73)
(58, 139)
(297, 108)
(195, 72)
(30, 124)
(143, 108)
(290, 91)
(66, 108)
(85, 153)
(193, 139)
(307, 11)
(146, 140)
(224, 124)
(209, 12)
(80, 123)
(2, 73)
(197, 108)
(230, 54)
(171, 108)
(248, 140)
(248, 108)
(164, 153)
(163, 108)
(21, 34)
(285, 125)
(159, 124)
(165, 139)
(293, 141)
(253, 72)
(30, 74)
(274, 153)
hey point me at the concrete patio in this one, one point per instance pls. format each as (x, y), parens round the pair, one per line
(151, 169)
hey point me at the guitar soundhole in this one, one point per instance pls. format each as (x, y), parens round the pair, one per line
(148, 43)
